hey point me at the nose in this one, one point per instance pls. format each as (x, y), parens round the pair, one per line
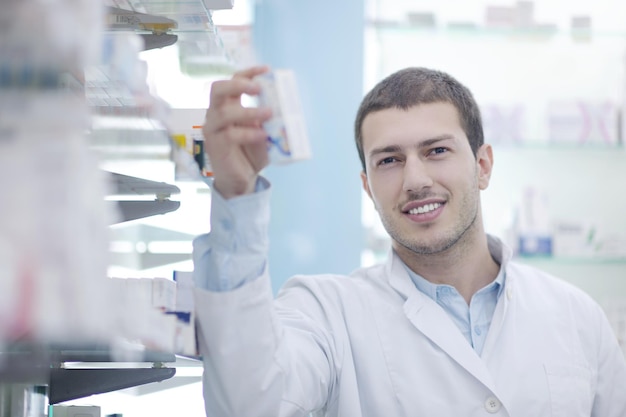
(416, 176)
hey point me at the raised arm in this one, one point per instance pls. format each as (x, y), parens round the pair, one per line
(259, 360)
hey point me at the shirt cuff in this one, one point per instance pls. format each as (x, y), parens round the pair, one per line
(235, 251)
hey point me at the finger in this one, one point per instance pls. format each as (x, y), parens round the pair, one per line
(251, 72)
(239, 135)
(224, 90)
(241, 83)
(234, 114)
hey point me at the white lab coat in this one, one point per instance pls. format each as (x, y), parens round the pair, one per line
(371, 345)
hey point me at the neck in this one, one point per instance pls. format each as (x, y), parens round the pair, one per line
(467, 265)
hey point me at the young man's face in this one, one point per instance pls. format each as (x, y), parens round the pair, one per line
(423, 177)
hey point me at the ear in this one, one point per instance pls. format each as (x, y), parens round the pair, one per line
(365, 183)
(484, 162)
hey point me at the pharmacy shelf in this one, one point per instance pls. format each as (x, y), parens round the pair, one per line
(72, 372)
(188, 24)
(127, 123)
(128, 185)
(125, 185)
(97, 374)
(71, 384)
(461, 29)
(572, 260)
(133, 210)
(565, 146)
(473, 29)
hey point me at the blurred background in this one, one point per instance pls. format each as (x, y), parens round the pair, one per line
(549, 78)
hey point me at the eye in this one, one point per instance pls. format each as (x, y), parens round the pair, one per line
(388, 160)
(438, 151)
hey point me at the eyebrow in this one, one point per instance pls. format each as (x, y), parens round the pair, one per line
(423, 144)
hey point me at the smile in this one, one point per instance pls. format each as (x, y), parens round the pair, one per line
(425, 208)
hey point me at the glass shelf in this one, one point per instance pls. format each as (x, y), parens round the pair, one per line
(26, 364)
(569, 260)
(470, 29)
(564, 146)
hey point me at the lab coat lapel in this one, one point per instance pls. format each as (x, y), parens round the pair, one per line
(506, 302)
(430, 319)
(434, 323)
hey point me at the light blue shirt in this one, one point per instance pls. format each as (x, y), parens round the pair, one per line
(238, 243)
(474, 319)
(238, 246)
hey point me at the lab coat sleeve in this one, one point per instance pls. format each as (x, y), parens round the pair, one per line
(259, 360)
(610, 398)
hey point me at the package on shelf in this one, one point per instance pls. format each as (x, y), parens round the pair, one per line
(185, 312)
(583, 122)
(118, 136)
(504, 123)
(573, 238)
(163, 294)
(185, 127)
(184, 291)
(130, 20)
(610, 244)
(187, 15)
(190, 143)
(138, 320)
(117, 85)
(152, 312)
(533, 223)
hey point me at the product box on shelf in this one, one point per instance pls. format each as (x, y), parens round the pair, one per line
(583, 122)
(157, 312)
(191, 142)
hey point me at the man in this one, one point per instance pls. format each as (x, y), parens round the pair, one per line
(448, 326)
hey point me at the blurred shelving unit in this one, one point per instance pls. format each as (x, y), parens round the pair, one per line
(75, 100)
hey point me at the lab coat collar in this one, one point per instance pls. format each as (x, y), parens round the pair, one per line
(432, 321)
(400, 280)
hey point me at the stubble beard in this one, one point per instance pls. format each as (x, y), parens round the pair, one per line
(438, 244)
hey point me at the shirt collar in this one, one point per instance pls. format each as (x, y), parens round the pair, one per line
(499, 252)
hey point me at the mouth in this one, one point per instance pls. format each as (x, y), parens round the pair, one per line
(423, 211)
(426, 208)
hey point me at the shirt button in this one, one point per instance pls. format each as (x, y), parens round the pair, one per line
(477, 330)
(492, 405)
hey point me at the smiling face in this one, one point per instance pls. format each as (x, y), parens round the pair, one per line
(423, 178)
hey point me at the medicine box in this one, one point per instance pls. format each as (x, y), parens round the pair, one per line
(286, 130)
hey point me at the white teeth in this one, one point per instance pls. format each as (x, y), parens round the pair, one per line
(425, 209)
